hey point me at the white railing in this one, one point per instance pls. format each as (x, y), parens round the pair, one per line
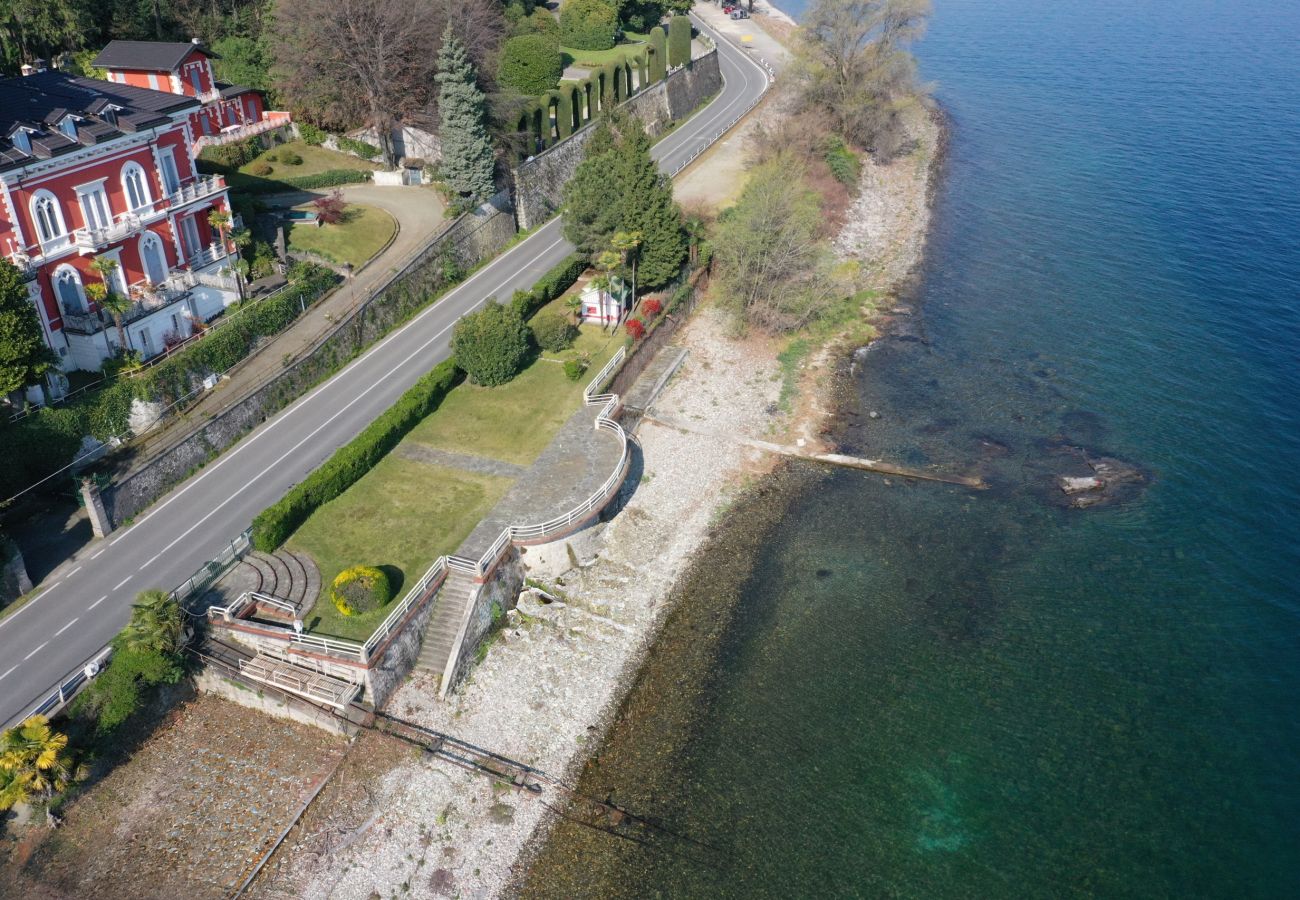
(413, 596)
(273, 119)
(203, 186)
(213, 253)
(88, 239)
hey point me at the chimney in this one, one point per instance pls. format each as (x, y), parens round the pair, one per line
(195, 41)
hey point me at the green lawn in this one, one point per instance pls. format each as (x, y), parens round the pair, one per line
(402, 516)
(363, 233)
(515, 422)
(314, 161)
(632, 45)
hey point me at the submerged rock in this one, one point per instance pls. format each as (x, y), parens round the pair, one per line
(1111, 481)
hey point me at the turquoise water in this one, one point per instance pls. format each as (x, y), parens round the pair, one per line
(931, 692)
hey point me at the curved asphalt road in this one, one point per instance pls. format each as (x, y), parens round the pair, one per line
(88, 600)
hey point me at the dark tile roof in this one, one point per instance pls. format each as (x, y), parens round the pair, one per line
(39, 102)
(234, 90)
(153, 56)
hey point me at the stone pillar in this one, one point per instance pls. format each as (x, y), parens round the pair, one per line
(100, 523)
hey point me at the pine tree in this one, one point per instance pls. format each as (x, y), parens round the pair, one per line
(648, 208)
(24, 357)
(592, 197)
(467, 156)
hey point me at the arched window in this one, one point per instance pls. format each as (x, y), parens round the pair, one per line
(67, 285)
(152, 258)
(48, 217)
(135, 185)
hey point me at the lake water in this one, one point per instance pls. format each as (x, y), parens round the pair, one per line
(922, 691)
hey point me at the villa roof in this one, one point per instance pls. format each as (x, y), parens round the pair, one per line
(153, 56)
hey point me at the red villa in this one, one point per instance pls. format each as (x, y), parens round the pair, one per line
(93, 170)
(229, 112)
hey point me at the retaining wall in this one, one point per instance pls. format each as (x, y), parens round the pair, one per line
(540, 181)
(501, 587)
(472, 238)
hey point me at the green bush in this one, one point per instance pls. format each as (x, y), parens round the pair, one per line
(289, 158)
(576, 368)
(549, 286)
(491, 345)
(311, 135)
(553, 332)
(679, 41)
(274, 524)
(588, 24)
(658, 54)
(260, 169)
(360, 589)
(271, 156)
(358, 148)
(530, 64)
(843, 162)
(229, 157)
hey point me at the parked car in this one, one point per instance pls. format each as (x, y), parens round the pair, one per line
(739, 13)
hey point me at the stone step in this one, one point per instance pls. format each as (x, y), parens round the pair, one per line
(265, 574)
(296, 588)
(311, 586)
(283, 580)
(442, 630)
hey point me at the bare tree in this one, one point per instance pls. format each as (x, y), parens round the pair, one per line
(348, 62)
(858, 68)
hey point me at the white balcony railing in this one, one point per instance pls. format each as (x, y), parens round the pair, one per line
(199, 188)
(271, 119)
(88, 240)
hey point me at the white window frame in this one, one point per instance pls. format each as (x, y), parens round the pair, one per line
(85, 193)
(164, 154)
(56, 277)
(153, 81)
(134, 168)
(57, 209)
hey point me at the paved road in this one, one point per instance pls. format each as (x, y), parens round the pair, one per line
(88, 600)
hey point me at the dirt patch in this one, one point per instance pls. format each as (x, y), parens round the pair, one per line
(187, 816)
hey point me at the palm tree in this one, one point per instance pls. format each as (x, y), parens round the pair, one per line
(156, 624)
(625, 243)
(574, 305)
(113, 303)
(32, 762)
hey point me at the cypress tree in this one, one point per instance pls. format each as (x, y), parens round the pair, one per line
(592, 204)
(658, 54)
(679, 41)
(648, 207)
(467, 156)
(642, 73)
(24, 357)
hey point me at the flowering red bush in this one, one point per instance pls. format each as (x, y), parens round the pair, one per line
(636, 328)
(329, 210)
(651, 307)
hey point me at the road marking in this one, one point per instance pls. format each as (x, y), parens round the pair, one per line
(6, 674)
(96, 603)
(126, 579)
(26, 606)
(74, 571)
(34, 652)
(66, 627)
(97, 555)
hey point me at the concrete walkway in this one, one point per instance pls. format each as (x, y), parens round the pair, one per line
(574, 465)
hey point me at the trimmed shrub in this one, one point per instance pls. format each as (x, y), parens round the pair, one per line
(553, 332)
(642, 69)
(360, 589)
(588, 24)
(491, 345)
(261, 169)
(289, 158)
(679, 41)
(358, 148)
(274, 524)
(609, 94)
(328, 178)
(564, 113)
(311, 135)
(530, 64)
(549, 286)
(635, 328)
(651, 308)
(658, 54)
(228, 157)
(576, 368)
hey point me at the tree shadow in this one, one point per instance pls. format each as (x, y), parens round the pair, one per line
(396, 578)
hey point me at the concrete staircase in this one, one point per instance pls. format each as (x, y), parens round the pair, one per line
(448, 612)
(291, 577)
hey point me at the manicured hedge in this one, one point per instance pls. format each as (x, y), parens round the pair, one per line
(564, 113)
(658, 54)
(328, 178)
(549, 286)
(274, 524)
(530, 64)
(679, 41)
(588, 24)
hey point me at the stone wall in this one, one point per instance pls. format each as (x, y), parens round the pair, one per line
(269, 701)
(13, 575)
(539, 182)
(473, 237)
(501, 588)
(390, 670)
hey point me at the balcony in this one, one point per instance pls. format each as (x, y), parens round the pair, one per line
(271, 119)
(198, 189)
(152, 298)
(91, 240)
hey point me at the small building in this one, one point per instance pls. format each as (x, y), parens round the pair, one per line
(605, 307)
(229, 112)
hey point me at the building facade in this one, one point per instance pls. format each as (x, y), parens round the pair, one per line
(92, 170)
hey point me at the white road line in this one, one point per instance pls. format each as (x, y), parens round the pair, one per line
(126, 579)
(97, 555)
(34, 652)
(74, 571)
(96, 603)
(26, 606)
(6, 674)
(66, 627)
